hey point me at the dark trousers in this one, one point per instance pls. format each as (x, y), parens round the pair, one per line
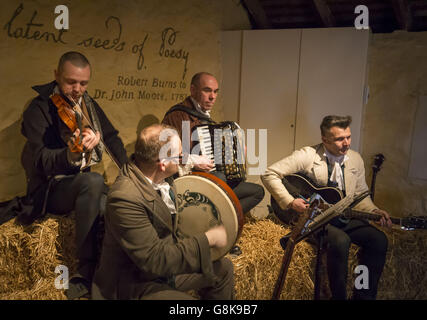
(85, 193)
(373, 243)
(248, 193)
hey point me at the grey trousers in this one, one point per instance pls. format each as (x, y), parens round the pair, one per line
(221, 289)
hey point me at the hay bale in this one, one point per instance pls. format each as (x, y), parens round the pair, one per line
(405, 271)
(13, 266)
(30, 254)
(256, 269)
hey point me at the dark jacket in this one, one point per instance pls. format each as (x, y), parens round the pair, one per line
(142, 245)
(175, 118)
(45, 153)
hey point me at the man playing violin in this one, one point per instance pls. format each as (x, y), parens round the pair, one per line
(67, 132)
(333, 164)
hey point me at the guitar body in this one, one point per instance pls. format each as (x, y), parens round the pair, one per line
(300, 185)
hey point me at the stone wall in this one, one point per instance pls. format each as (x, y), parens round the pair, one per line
(397, 74)
(143, 55)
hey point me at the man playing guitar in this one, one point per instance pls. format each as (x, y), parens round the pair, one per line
(333, 164)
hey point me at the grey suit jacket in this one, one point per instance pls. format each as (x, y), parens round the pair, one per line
(312, 162)
(141, 243)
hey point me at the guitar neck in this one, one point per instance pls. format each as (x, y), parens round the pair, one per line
(369, 216)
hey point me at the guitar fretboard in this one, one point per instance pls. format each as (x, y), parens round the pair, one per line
(369, 216)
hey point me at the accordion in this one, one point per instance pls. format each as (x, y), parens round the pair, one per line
(224, 144)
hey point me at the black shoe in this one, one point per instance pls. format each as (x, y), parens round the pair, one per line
(78, 287)
(236, 251)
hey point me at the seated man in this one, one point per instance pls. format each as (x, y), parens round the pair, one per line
(143, 256)
(57, 160)
(332, 163)
(196, 110)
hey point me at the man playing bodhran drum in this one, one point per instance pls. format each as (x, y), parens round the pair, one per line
(144, 256)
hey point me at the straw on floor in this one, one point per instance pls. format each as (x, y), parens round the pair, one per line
(29, 256)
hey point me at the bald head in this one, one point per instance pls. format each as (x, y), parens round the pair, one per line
(150, 141)
(195, 80)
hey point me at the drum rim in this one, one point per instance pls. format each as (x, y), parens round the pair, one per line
(226, 188)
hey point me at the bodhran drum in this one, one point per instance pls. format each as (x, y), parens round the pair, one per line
(205, 201)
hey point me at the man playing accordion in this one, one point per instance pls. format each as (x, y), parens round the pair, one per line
(194, 111)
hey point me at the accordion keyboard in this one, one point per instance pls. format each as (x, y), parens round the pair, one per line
(205, 143)
(222, 144)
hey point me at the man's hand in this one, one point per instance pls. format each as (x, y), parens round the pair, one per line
(202, 163)
(385, 219)
(217, 236)
(298, 205)
(90, 139)
(75, 155)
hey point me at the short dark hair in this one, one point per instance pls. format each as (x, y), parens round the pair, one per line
(195, 80)
(334, 121)
(148, 143)
(76, 58)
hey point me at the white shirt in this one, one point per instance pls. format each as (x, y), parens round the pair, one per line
(336, 163)
(164, 188)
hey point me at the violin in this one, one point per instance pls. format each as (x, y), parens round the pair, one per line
(72, 120)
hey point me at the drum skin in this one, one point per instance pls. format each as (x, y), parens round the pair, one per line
(204, 201)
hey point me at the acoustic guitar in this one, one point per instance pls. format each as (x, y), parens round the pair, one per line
(299, 185)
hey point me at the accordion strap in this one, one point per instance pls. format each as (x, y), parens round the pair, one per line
(195, 113)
